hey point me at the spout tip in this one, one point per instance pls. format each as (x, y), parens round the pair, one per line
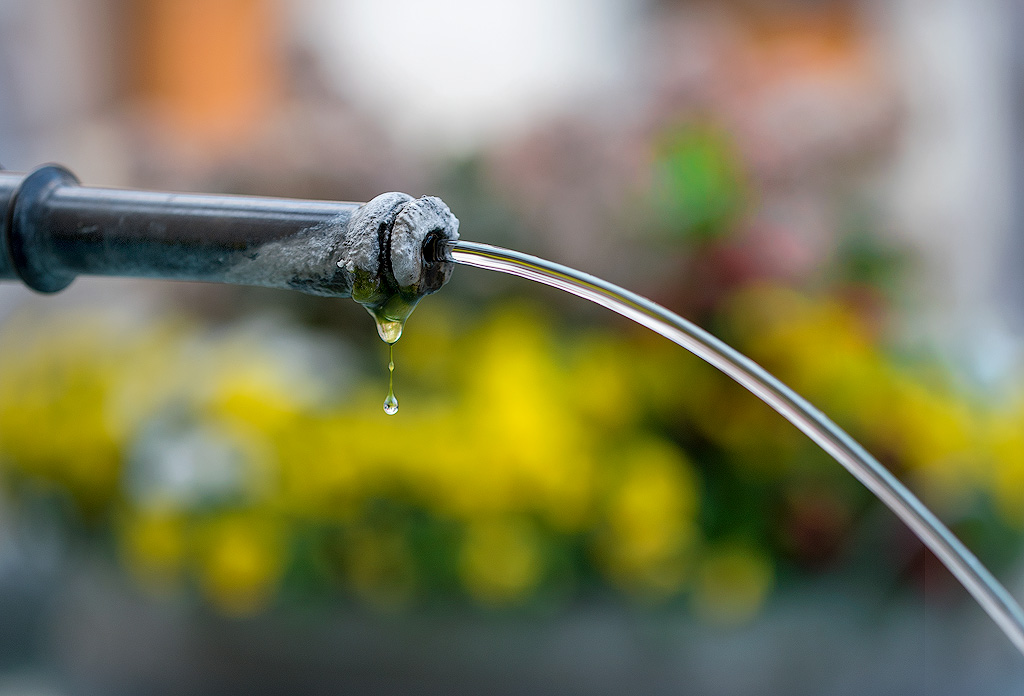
(437, 248)
(419, 246)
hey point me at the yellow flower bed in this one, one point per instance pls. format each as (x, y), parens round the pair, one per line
(526, 461)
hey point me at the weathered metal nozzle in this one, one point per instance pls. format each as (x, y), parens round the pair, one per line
(52, 230)
(387, 249)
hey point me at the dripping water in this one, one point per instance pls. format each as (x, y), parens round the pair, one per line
(390, 402)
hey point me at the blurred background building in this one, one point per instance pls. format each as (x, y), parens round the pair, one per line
(201, 494)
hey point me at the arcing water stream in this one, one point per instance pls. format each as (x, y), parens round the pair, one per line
(991, 595)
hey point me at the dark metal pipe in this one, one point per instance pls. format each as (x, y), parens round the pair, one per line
(53, 230)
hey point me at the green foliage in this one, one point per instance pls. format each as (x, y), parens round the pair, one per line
(698, 189)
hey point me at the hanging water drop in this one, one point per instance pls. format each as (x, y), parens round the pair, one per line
(389, 330)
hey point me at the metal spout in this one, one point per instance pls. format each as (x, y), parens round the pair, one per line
(52, 230)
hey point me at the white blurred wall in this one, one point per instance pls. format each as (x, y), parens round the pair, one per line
(452, 74)
(951, 186)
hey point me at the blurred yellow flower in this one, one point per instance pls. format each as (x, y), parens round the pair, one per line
(937, 437)
(240, 561)
(155, 546)
(521, 445)
(1006, 435)
(599, 386)
(650, 518)
(253, 390)
(54, 395)
(500, 560)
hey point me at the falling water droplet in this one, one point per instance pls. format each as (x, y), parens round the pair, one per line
(390, 402)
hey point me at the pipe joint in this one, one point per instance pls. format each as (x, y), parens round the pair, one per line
(29, 248)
